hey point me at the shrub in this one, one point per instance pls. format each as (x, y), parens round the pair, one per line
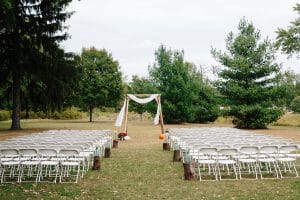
(4, 115)
(34, 115)
(295, 105)
(70, 113)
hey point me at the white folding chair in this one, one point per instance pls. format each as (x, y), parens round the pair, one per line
(247, 164)
(49, 168)
(287, 162)
(207, 165)
(69, 167)
(227, 164)
(268, 164)
(10, 164)
(29, 165)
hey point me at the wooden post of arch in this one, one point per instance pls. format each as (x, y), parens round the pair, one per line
(161, 119)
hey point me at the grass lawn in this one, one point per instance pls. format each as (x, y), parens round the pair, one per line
(139, 169)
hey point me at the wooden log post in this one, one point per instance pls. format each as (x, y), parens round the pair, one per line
(166, 146)
(107, 152)
(115, 143)
(189, 171)
(176, 155)
(97, 163)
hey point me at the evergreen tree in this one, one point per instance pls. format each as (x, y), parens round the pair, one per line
(29, 34)
(249, 80)
(289, 39)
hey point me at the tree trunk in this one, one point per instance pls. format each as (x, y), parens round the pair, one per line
(91, 113)
(26, 109)
(16, 109)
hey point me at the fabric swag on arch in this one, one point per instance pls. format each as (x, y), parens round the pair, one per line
(121, 115)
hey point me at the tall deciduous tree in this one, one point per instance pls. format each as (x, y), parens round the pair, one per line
(101, 82)
(29, 35)
(249, 78)
(289, 39)
(181, 87)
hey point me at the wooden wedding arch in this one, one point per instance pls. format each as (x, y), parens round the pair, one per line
(141, 97)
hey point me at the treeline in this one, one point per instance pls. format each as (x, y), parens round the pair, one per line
(38, 76)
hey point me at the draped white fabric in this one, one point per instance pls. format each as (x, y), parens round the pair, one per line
(156, 118)
(120, 117)
(142, 100)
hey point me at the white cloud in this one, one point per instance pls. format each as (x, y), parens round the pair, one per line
(133, 29)
(148, 44)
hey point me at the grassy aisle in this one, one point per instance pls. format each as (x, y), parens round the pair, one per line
(139, 169)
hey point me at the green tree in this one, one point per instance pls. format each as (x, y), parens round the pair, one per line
(29, 34)
(287, 85)
(289, 39)
(295, 105)
(141, 86)
(180, 85)
(249, 80)
(101, 82)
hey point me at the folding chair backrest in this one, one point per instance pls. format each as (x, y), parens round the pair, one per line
(47, 152)
(9, 152)
(73, 147)
(268, 149)
(249, 150)
(208, 151)
(69, 152)
(28, 152)
(288, 149)
(228, 152)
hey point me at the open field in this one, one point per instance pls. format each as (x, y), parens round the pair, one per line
(140, 169)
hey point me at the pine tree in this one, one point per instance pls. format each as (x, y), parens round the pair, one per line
(289, 39)
(249, 80)
(30, 31)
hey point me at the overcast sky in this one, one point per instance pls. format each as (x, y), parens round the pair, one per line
(132, 29)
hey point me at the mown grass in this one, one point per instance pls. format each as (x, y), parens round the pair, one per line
(139, 169)
(289, 119)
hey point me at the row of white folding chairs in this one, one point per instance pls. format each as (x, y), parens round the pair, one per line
(56, 139)
(62, 134)
(249, 160)
(86, 143)
(40, 165)
(232, 137)
(230, 142)
(218, 145)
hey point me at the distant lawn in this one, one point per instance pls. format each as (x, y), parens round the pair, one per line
(289, 119)
(139, 169)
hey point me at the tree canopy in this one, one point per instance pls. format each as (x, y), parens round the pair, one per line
(184, 98)
(249, 80)
(289, 39)
(142, 85)
(101, 81)
(29, 35)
